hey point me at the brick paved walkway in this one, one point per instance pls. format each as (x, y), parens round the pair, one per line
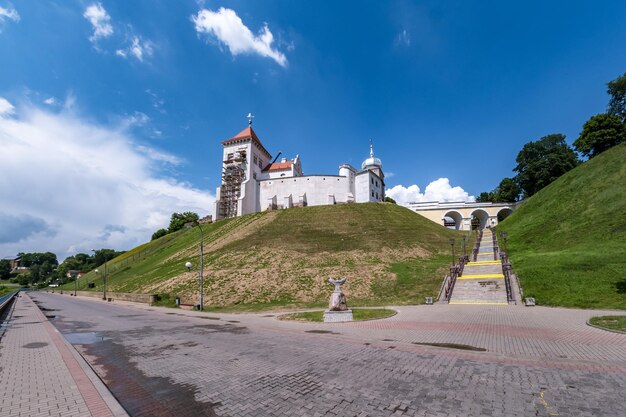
(538, 362)
(41, 375)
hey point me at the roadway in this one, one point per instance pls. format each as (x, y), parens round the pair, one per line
(495, 361)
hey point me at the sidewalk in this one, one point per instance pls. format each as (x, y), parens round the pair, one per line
(41, 374)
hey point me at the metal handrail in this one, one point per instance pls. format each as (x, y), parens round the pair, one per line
(6, 299)
(506, 271)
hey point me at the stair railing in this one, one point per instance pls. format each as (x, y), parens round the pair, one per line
(495, 247)
(507, 268)
(479, 236)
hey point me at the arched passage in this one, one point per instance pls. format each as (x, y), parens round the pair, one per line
(503, 213)
(480, 219)
(453, 220)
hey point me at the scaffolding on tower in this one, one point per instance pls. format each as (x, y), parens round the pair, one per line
(233, 175)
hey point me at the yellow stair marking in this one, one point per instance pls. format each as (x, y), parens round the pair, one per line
(491, 276)
(478, 302)
(479, 263)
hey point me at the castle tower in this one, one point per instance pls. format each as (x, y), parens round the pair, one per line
(370, 182)
(244, 157)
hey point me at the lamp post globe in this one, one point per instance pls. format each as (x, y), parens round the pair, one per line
(188, 265)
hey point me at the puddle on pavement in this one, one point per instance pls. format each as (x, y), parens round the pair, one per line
(209, 318)
(47, 309)
(35, 345)
(219, 328)
(453, 346)
(320, 331)
(84, 338)
(50, 317)
(143, 395)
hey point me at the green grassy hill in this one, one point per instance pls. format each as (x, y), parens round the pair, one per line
(567, 243)
(389, 254)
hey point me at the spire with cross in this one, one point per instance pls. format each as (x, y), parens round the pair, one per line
(250, 117)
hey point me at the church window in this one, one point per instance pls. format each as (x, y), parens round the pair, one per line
(372, 180)
(377, 195)
(260, 163)
(372, 193)
(255, 159)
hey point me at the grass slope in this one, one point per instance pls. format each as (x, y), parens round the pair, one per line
(389, 254)
(567, 243)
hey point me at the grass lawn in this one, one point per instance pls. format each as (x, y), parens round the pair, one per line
(566, 242)
(5, 290)
(357, 314)
(281, 260)
(610, 322)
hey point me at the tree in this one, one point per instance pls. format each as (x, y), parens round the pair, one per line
(390, 200)
(159, 233)
(104, 255)
(617, 102)
(37, 258)
(484, 197)
(5, 269)
(543, 161)
(178, 220)
(508, 191)
(600, 132)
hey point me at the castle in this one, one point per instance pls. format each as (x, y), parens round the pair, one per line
(253, 182)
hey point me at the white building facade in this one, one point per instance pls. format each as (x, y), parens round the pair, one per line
(253, 182)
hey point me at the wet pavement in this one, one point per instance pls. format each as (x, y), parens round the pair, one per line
(496, 361)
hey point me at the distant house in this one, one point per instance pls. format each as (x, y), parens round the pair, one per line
(15, 265)
(75, 273)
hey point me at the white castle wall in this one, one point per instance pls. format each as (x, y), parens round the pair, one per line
(319, 190)
(367, 183)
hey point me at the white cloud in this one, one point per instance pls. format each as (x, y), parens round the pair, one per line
(6, 108)
(229, 29)
(75, 185)
(159, 156)
(50, 101)
(100, 20)
(138, 48)
(403, 38)
(438, 190)
(8, 13)
(136, 119)
(157, 102)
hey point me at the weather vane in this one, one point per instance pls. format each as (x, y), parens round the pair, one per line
(250, 117)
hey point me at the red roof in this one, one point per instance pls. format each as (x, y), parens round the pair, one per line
(279, 166)
(247, 133)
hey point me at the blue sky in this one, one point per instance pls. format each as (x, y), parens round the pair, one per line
(112, 112)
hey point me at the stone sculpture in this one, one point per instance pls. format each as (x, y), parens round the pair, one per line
(337, 306)
(337, 298)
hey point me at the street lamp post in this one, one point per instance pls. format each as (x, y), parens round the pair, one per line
(104, 276)
(188, 265)
(75, 283)
(452, 246)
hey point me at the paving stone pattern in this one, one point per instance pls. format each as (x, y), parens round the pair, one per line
(38, 374)
(539, 362)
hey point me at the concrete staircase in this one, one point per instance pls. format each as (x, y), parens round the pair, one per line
(482, 281)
